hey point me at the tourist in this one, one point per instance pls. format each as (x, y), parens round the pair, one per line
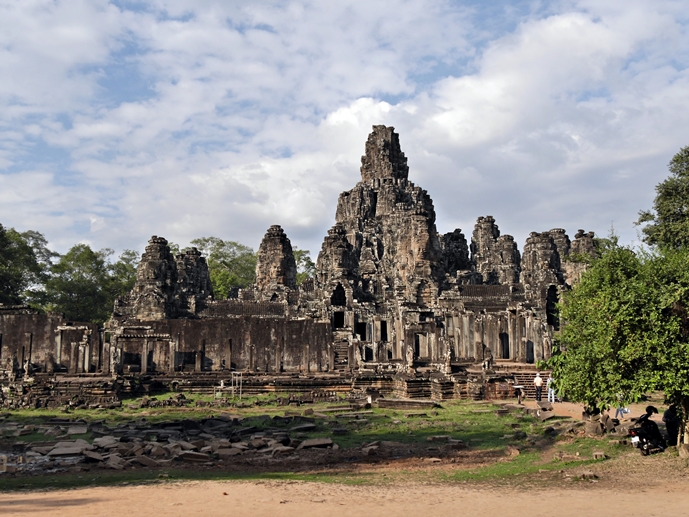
(621, 410)
(672, 423)
(538, 382)
(550, 386)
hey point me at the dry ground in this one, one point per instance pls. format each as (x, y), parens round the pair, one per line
(301, 499)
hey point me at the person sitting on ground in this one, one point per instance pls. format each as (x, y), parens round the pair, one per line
(672, 423)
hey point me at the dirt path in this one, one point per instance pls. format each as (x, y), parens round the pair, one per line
(300, 499)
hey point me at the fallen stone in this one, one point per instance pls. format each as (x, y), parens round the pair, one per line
(194, 457)
(593, 428)
(315, 442)
(282, 450)
(227, 453)
(303, 428)
(457, 445)
(432, 460)
(73, 450)
(370, 451)
(545, 415)
(599, 455)
(93, 456)
(512, 451)
(257, 443)
(439, 438)
(146, 461)
(588, 474)
(82, 429)
(104, 441)
(386, 443)
(546, 406)
(157, 452)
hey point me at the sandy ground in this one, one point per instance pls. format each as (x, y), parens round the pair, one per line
(299, 499)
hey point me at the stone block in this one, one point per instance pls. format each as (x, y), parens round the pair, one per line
(282, 450)
(93, 456)
(315, 443)
(303, 428)
(146, 461)
(370, 451)
(512, 451)
(193, 457)
(457, 445)
(593, 428)
(439, 438)
(228, 453)
(545, 415)
(71, 450)
(104, 441)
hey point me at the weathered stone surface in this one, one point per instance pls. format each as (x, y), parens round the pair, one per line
(276, 267)
(495, 256)
(315, 442)
(194, 457)
(227, 453)
(390, 294)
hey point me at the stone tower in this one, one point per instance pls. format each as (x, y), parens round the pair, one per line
(394, 251)
(275, 267)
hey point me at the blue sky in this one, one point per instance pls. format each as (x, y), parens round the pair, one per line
(122, 120)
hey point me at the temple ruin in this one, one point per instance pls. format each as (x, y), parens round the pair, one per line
(394, 305)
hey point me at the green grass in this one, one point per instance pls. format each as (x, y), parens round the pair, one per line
(137, 477)
(474, 423)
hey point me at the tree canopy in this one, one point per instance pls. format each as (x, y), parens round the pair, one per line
(230, 264)
(626, 329)
(305, 266)
(83, 284)
(24, 260)
(667, 225)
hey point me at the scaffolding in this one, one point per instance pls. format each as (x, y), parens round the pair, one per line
(234, 389)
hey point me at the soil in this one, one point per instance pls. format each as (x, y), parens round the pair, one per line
(301, 499)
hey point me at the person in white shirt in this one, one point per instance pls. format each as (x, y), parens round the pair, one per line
(538, 382)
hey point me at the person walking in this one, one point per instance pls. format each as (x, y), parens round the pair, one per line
(538, 383)
(550, 386)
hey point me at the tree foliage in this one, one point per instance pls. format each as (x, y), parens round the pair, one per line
(305, 266)
(24, 259)
(626, 329)
(667, 225)
(83, 284)
(230, 264)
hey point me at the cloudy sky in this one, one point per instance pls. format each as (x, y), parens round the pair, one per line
(124, 119)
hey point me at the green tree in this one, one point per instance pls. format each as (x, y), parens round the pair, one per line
(230, 264)
(305, 266)
(20, 266)
(626, 329)
(667, 225)
(123, 273)
(80, 285)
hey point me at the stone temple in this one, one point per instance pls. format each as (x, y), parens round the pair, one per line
(394, 305)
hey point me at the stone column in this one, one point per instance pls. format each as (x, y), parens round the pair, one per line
(144, 357)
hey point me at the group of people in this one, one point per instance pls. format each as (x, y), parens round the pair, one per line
(549, 384)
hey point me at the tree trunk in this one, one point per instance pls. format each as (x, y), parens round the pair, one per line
(684, 427)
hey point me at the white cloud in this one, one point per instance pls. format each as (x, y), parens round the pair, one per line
(204, 118)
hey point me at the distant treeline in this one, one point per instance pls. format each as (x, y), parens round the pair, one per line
(84, 283)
